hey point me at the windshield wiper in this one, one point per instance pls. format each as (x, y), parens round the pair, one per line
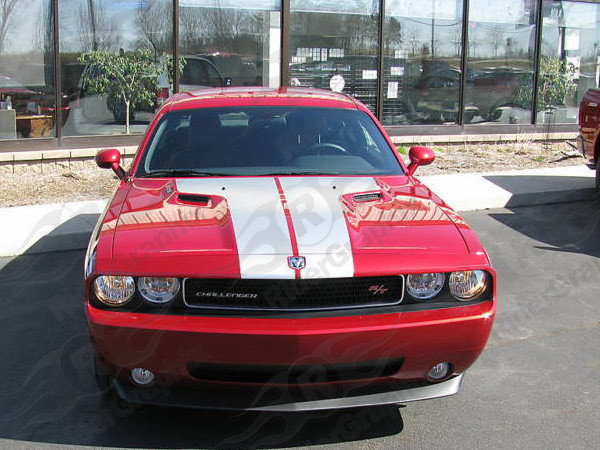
(301, 172)
(183, 173)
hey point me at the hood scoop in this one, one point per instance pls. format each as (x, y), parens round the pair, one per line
(367, 197)
(196, 199)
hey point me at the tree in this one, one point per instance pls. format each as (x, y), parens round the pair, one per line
(6, 9)
(128, 77)
(193, 29)
(97, 31)
(495, 36)
(456, 39)
(393, 34)
(555, 82)
(152, 21)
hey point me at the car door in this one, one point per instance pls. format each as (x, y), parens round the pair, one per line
(199, 73)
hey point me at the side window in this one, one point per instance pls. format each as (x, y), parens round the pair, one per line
(214, 77)
(194, 73)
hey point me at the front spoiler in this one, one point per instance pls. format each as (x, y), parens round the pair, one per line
(191, 399)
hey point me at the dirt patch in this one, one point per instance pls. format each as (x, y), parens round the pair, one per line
(72, 185)
(497, 157)
(76, 182)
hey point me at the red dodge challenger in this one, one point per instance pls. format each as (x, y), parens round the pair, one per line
(269, 250)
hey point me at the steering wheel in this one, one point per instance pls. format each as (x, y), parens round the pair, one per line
(327, 147)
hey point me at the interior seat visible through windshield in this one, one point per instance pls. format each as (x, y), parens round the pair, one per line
(263, 140)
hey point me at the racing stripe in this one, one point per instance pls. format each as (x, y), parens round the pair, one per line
(259, 222)
(319, 222)
(290, 224)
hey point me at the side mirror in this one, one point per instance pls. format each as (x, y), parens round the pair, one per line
(111, 159)
(419, 156)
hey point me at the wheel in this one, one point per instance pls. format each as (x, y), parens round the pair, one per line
(469, 116)
(119, 113)
(494, 114)
(328, 149)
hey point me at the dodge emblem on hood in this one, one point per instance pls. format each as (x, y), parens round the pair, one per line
(297, 262)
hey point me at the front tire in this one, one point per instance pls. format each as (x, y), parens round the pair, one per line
(119, 113)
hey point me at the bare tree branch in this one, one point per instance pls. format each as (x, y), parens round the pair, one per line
(6, 9)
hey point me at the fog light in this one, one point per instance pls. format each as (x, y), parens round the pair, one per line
(439, 371)
(142, 376)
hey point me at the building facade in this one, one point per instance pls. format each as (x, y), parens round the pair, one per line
(422, 66)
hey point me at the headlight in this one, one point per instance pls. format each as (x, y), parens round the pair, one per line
(158, 289)
(469, 284)
(114, 290)
(423, 286)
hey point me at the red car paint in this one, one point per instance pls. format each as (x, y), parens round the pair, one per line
(589, 125)
(148, 231)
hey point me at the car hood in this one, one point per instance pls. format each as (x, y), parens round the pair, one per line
(249, 227)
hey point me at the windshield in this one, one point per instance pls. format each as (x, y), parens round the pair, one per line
(267, 140)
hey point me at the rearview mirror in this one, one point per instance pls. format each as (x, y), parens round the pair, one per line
(419, 156)
(111, 159)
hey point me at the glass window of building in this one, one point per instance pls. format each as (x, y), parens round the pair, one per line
(422, 41)
(118, 28)
(500, 61)
(27, 106)
(230, 43)
(570, 58)
(333, 45)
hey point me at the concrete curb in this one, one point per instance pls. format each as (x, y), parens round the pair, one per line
(515, 188)
(67, 226)
(483, 138)
(47, 228)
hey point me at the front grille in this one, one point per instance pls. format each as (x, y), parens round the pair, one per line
(292, 295)
(300, 374)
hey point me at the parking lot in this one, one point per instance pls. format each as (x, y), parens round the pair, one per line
(536, 385)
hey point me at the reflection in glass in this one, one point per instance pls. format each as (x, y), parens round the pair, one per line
(570, 58)
(500, 61)
(116, 27)
(333, 45)
(27, 106)
(422, 41)
(230, 43)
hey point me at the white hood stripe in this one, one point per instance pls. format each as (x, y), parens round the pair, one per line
(321, 229)
(259, 222)
(261, 230)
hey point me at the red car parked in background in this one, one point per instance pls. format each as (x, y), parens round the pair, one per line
(269, 250)
(588, 140)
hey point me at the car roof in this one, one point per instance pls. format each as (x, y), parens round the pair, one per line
(260, 96)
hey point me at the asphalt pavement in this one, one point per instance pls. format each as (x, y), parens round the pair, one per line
(537, 384)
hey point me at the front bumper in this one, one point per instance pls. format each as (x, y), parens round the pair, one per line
(170, 345)
(190, 398)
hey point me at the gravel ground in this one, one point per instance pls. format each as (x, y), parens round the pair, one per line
(496, 157)
(86, 182)
(69, 186)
